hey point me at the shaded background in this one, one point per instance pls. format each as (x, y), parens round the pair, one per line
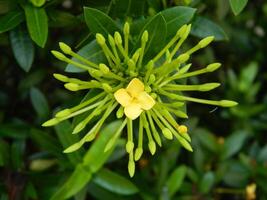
(230, 144)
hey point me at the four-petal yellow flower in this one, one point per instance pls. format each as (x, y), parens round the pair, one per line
(134, 99)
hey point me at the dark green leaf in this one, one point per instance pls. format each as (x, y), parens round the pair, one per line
(176, 179)
(79, 178)
(11, 20)
(99, 22)
(92, 162)
(233, 144)
(92, 52)
(39, 103)
(45, 141)
(37, 24)
(114, 182)
(207, 140)
(96, 157)
(64, 131)
(17, 153)
(61, 19)
(22, 47)
(4, 153)
(238, 5)
(175, 17)
(157, 30)
(203, 27)
(207, 182)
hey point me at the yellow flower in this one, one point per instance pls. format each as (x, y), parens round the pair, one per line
(134, 99)
(251, 191)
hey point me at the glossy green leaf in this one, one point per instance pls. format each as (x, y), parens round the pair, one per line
(11, 20)
(92, 52)
(22, 47)
(96, 157)
(176, 179)
(92, 162)
(45, 141)
(64, 130)
(157, 30)
(233, 144)
(39, 103)
(79, 178)
(37, 24)
(177, 16)
(207, 182)
(203, 27)
(238, 5)
(99, 22)
(114, 182)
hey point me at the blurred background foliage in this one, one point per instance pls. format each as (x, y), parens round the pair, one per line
(230, 149)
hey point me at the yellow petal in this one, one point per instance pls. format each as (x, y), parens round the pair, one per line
(123, 97)
(135, 87)
(145, 100)
(132, 111)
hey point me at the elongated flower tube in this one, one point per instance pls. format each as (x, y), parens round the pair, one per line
(146, 93)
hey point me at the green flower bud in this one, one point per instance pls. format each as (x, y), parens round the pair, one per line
(208, 86)
(136, 55)
(212, 67)
(65, 48)
(152, 79)
(111, 40)
(152, 147)
(61, 77)
(59, 55)
(107, 87)
(206, 41)
(131, 64)
(153, 95)
(51, 122)
(138, 153)
(129, 146)
(144, 37)
(182, 129)
(227, 103)
(100, 39)
(126, 28)
(42, 164)
(148, 89)
(104, 68)
(181, 31)
(72, 86)
(183, 58)
(79, 127)
(131, 168)
(167, 133)
(185, 68)
(185, 144)
(117, 37)
(120, 112)
(63, 113)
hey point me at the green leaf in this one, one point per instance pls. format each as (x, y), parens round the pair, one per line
(38, 3)
(39, 103)
(157, 30)
(92, 162)
(79, 178)
(99, 22)
(114, 182)
(17, 153)
(207, 139)
(233, 144)
(175, 180)
(22, 47)
(4, 153)
(207, 182)
(247, 76)
(59, 18)
(37, 24)
(96, 157)
(92, 52)
(203, 27)
(238, 5)
(64, 131)
(46, 142)
(11, 20)
(177, 16)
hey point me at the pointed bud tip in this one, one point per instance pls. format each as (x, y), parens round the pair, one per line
(131, 168)
(58, 55)
(206, 41)
(228, 103)
(138, 153)
(61, 77)
(144, 36)
(129, 146)
(152, 147)
(63, 113)
(126, 28)
(100, 39)
(50, 122)
(72, 86)
(117, 37)
(167, 133)
(65, 48)
(212, 67)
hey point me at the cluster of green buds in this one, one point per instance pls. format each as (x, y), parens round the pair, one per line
(146, 95)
